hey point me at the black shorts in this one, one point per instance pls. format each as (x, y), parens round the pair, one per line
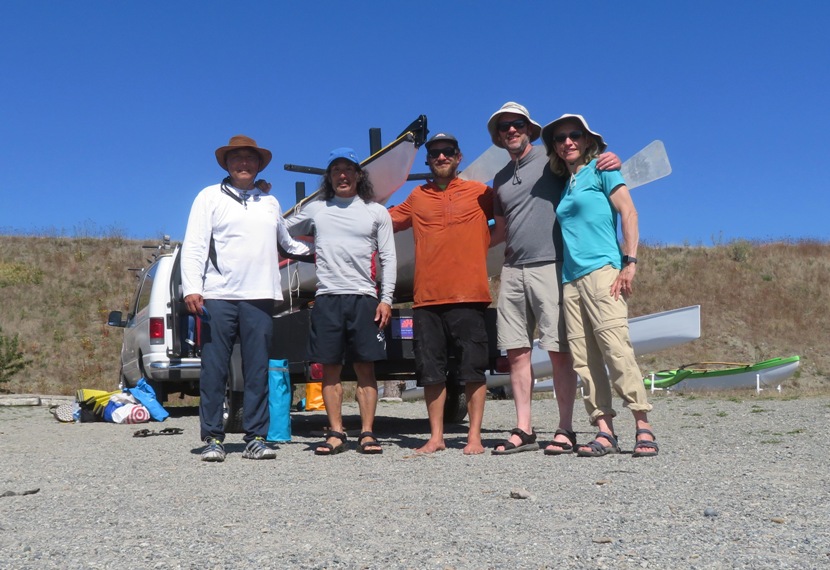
(343, 327)
(457, 330)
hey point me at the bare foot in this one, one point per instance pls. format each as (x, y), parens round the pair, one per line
(432, 446)
(473, 448)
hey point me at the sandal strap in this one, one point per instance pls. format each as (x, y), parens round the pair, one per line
(594, 446)
(644, 431)
(571, 435)
(366, 435)
(612, 439)
(338, 434)
(647, 445)
(524, 436)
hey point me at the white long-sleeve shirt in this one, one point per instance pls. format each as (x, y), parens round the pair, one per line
(230, 248)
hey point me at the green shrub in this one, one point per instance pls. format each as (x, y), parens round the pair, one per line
(12, 360)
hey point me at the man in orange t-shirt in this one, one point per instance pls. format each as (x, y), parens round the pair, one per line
(448, 217)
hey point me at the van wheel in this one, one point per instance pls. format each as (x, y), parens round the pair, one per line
(232, 413)
(455, 408)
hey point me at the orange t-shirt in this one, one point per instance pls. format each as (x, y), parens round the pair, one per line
(451, 241)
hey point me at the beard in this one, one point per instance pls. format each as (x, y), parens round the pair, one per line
(444, 171)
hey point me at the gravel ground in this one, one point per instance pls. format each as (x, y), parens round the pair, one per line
(738, 484)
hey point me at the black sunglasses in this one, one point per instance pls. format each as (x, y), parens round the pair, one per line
(573, 135)
(449, 152)
(504, 126)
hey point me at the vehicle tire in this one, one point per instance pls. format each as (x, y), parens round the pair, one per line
(232, 413)
(455, 408)
(159, 389)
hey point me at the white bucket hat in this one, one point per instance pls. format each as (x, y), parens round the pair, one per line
(533, 129)
(547, 132)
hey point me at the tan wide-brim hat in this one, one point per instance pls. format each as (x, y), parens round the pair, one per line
(547, 132)
(533, 129)
(241, 141)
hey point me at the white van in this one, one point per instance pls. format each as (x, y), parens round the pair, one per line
(161, 340)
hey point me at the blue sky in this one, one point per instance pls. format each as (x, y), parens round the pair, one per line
(111, 111)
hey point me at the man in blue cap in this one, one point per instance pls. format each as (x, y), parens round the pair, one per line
(349, 316)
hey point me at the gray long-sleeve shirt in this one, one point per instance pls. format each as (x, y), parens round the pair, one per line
(347, 232)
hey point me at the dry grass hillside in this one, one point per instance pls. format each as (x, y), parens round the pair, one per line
(759, 300)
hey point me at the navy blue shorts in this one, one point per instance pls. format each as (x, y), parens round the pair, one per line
(343, 327)
(457, 330)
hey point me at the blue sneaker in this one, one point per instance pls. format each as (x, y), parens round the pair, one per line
(213, 450)
(257, 449)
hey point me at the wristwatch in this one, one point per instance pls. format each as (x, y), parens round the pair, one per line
(629, 259)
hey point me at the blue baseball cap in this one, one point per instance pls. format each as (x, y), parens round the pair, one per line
(343, 152)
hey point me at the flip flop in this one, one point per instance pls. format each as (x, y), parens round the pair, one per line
(165, 431)
(332, 449)
(528, 443)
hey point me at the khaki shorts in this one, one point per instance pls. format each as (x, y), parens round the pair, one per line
(529, 296)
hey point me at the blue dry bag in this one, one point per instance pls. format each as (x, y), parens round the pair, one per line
(145, 394)
(279, 401)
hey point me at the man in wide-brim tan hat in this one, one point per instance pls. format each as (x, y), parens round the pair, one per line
(231, 278)
(527, 192)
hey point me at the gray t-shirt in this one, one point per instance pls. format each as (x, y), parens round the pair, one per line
(347, 232)
(527, 199)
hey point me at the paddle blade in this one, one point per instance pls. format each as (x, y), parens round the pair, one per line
(646, 166)
(485, 167)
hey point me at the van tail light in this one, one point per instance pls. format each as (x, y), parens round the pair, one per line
(316, 371)
(502, 365)
(156, 330)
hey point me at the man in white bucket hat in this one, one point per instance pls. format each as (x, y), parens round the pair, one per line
(531, 281)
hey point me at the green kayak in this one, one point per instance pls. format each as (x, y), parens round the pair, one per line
(725, 375)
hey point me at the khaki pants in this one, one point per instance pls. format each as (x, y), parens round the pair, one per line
(598, 335)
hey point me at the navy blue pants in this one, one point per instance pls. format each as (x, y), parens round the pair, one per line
(250, 321)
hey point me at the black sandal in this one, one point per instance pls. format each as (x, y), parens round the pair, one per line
(651, 446)
(596, 449)
(362, 445)
(165, 431)
(332, 449)
(528, 443)
(560, 447)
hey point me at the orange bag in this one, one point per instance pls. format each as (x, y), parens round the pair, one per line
(314, 396)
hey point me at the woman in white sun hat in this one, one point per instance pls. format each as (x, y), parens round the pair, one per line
(597, 274)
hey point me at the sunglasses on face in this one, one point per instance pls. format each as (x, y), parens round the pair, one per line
(449, 152)
(504, 126)
(573, 135)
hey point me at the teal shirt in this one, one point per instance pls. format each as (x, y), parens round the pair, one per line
(589, 222)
